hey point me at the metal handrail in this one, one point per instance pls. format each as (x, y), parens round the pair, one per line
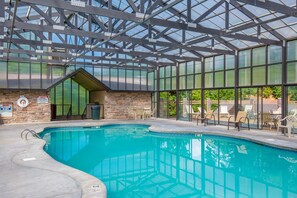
(27, 131)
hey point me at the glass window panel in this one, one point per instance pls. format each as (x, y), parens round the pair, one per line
(259, 75)
(97, 73)
(173, 72)
(114, 79)
(209, 80)
(168, 71)
(151, 81)
(292, 72)
(129, 79)
(190, 67)
(219, 79)
(182, 82)
(209, 64)
(230, 61)
(245, 77)
(75, 98)
(168, 83)
(173, 83)
(67, 96)
(219, 62)
(292, 50)
(136, 79)
(197, 67)
(46, 75)
(3, 74)
(13, 74)
(143, 80)
(190, 81)
(162, 71)
(182, 69)
(57, 73)
(24, 75)
(274, 54)
(198, 81)
(122, 79)
(52, 96)
(89, 69)
(275, 74)
(105, 76)
(82, 99)
(35, 75)
(162, 87)
(59, 99)
(245, 58)
(259, 56)
(230, 78)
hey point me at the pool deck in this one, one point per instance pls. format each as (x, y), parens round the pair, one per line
(27, 171)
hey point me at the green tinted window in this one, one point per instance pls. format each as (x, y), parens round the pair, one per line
(292, 72)
(259, 76)
(259, 56)
(219, 79)
(275, 74)
(245, 58)
(274, 54)
(244, 77)
(198, 81)
(209, 80)
(208, 64)
(230, 78)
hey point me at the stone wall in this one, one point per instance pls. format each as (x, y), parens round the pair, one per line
(117, 103)
(33, 113)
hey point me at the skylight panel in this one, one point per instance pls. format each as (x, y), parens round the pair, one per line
(288, 32)
(290, 20)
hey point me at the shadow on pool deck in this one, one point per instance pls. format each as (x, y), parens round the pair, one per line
(45, 177)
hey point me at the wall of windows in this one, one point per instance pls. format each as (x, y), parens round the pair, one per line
(22, 75)
(260, 66)
(70, 98)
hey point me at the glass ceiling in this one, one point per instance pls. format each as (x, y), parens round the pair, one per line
(148, 32)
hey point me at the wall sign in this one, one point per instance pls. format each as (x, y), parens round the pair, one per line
(6, 109)
(23, 102)
(42, 100)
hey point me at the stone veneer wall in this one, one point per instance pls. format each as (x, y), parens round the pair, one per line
(33, 113)
(117, 103)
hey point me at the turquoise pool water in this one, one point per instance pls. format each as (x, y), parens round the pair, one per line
(134, 162)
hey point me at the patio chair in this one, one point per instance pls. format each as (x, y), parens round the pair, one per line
(209, 115)
(190, 110)
(268, 120)
(224, 111)
(250, 114)
(241, 117)
(293, 112)
(248, 108)
(278, 111)
(290, 120)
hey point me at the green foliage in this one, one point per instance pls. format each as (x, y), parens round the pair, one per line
(276, 92)
(247, 92)
(293, 93)
(267, 92)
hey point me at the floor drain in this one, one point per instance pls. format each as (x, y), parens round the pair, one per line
(29, 159)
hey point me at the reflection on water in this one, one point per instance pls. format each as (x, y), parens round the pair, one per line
(133, 162)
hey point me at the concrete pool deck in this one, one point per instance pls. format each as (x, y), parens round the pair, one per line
(27, 171)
